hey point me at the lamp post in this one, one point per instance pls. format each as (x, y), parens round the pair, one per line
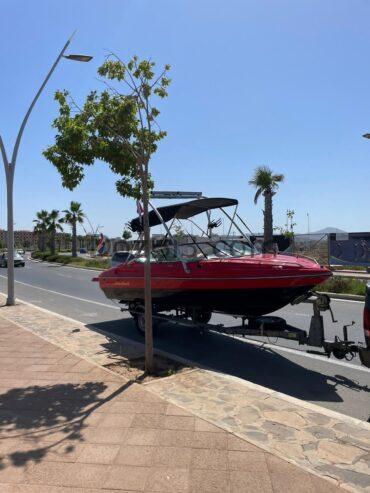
(10, 168)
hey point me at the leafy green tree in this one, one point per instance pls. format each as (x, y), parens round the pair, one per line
(266, 183)
(118, 126)
(126, 234)
(54, 224)
(41, 228)
(288, 230)
(73, 216)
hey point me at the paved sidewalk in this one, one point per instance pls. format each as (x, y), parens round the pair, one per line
(65, 422)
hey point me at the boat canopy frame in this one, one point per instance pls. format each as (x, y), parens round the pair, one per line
(186, 211)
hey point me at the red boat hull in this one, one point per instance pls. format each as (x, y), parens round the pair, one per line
(246, 286)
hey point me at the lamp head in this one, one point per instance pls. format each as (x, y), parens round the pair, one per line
(79, 58)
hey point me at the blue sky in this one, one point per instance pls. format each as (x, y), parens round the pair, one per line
(275, 82)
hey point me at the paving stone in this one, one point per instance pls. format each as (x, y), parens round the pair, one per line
(116, 421)
(104, 435)
(142, 436)
(168, 480)
(246, 461)
(98, 454)
(205, 481)
(209, 459)
(176, 438)
(336, 452)
(135, 455)
(147, 421)
(205, 439)
(178, 423)
(247, 482)
(177, 457)
(12, 474)
(126, 477)
(236, 443)
(62, 474)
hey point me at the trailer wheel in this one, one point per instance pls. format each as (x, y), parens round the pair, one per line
(201, 316)
(139, 319)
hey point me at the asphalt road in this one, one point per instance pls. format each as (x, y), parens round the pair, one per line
(337, 385)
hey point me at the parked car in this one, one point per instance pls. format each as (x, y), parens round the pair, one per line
(18, 260)
(120, 258)
(21, 251)
(83, 250)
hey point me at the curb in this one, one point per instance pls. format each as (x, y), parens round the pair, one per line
(57, 264)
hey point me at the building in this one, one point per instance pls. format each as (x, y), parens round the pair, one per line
(28, 239)
(22, 238)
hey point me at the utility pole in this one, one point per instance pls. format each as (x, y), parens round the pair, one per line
(10, 168)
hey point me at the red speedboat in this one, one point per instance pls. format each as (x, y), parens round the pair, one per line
(211, 273)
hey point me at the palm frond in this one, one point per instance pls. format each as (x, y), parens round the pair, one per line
(258, 193)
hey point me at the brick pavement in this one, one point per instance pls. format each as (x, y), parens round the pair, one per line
(67, 425)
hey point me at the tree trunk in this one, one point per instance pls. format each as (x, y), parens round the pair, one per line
(52, 242)
(149, 363)
(43, 241)
(74, 239)
(267, 221)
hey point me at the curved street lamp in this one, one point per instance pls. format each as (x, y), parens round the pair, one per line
(10, 167)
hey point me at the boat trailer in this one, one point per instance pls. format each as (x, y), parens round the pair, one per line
(269, 326)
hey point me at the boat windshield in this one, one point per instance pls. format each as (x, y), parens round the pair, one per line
(206, 249)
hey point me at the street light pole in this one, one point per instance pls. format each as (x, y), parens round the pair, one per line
(10, 168)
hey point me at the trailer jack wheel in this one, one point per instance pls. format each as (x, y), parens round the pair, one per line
(339, 353)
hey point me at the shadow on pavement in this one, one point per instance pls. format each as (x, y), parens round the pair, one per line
(260, 365)
(39, 419)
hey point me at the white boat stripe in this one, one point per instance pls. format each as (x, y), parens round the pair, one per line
(212, 278)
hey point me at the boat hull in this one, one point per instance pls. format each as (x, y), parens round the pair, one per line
(246, 302)
(249, 286)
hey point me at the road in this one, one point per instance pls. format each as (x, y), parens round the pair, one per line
(337, 385)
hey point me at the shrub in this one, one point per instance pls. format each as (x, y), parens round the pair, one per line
(52, 258)
(346, 285)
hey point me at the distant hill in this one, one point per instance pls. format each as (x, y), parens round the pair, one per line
(327, 231)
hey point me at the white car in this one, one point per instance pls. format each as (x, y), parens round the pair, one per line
(18, 260)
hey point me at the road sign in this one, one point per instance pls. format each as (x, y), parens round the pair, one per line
(176, 195)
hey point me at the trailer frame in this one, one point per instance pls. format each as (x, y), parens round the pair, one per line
(269, 326)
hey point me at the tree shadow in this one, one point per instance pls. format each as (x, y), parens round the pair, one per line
(256, 363)
(41, 418)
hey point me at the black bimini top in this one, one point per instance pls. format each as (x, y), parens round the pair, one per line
(182, 211)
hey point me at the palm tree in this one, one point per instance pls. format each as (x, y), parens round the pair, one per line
(72, 216)
(53, 225)
(41, 227)
(266, 183)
